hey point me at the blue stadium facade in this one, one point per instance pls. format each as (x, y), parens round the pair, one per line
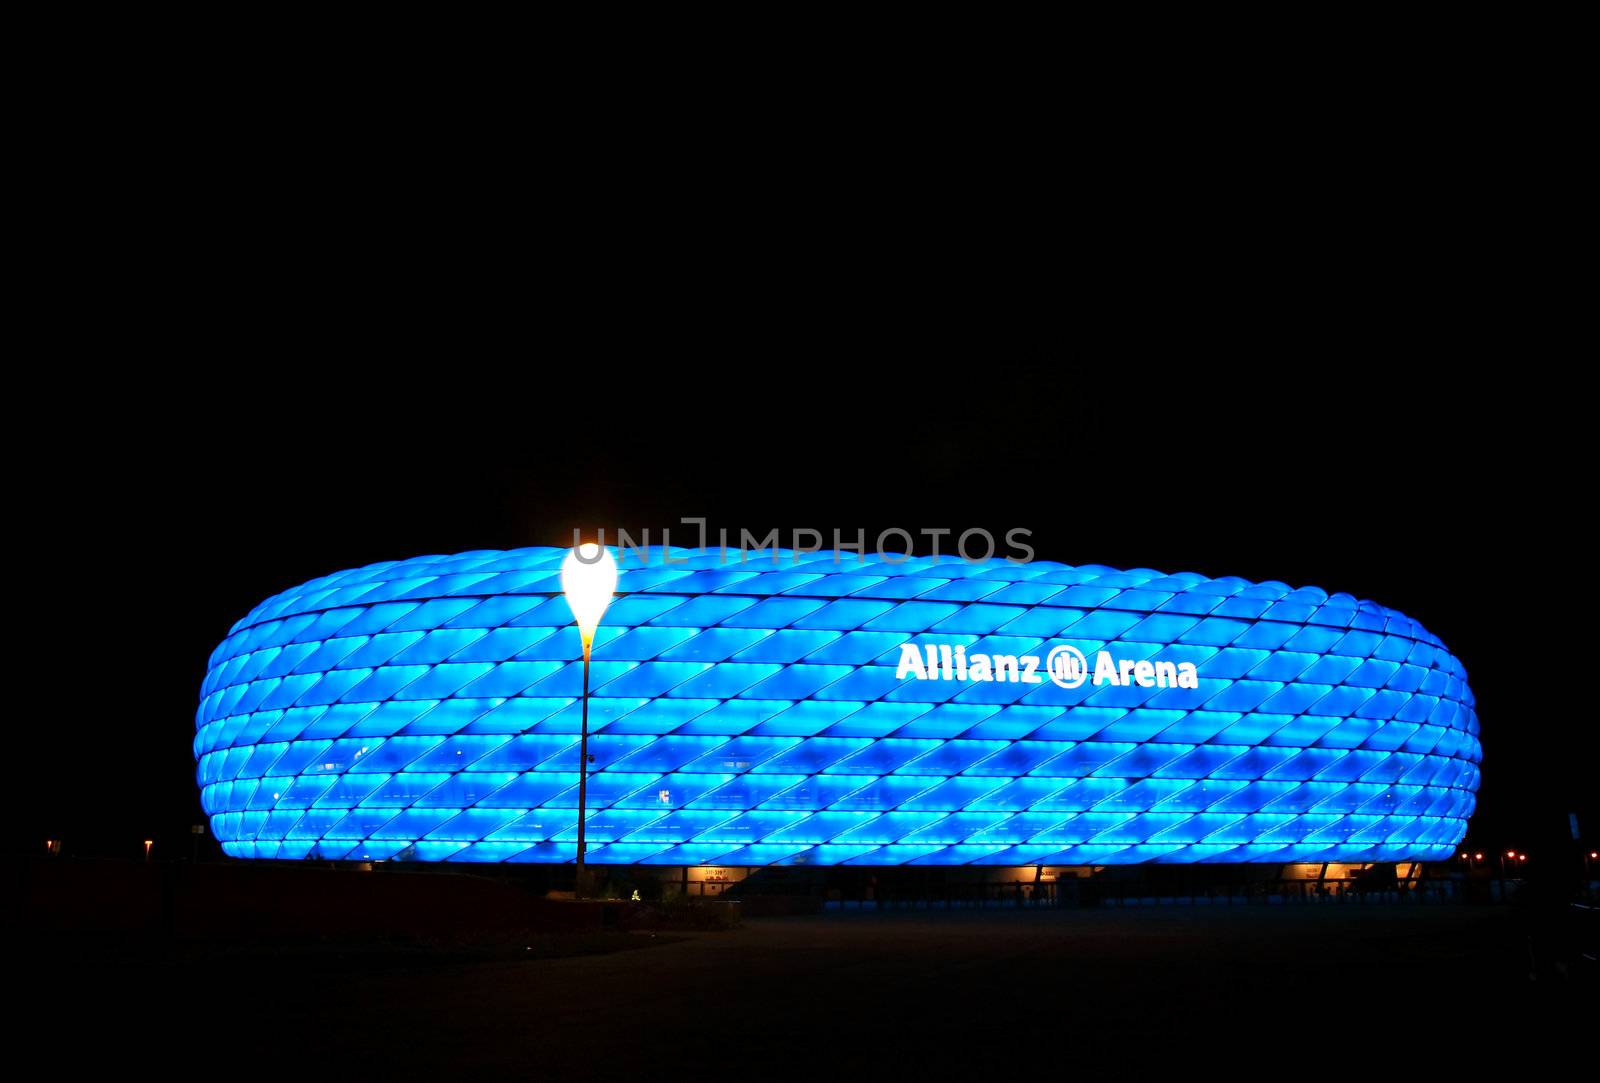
(803, 711)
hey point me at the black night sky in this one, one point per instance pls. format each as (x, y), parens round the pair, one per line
(168, 506)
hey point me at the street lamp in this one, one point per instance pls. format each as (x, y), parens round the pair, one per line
(588, 579)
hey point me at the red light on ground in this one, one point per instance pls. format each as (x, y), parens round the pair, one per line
(1477, 857)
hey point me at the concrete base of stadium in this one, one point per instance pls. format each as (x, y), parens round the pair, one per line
(440, 900)
(1050, 885)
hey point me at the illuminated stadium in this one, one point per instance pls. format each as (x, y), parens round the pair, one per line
(794, 709)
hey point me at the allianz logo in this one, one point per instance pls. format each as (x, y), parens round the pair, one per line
(1065, 665)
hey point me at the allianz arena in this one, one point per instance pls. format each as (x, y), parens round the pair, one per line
(788, 709)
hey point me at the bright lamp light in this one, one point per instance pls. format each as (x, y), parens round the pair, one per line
(588, 579)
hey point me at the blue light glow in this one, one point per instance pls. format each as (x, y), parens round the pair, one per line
(746, 714)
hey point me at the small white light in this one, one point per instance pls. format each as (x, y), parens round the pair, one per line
(588, 579)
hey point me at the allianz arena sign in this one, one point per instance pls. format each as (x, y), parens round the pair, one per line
(1065, 665)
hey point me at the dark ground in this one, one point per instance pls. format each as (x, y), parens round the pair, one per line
(1330, 987)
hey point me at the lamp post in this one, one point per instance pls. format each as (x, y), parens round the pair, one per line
(588, 579)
